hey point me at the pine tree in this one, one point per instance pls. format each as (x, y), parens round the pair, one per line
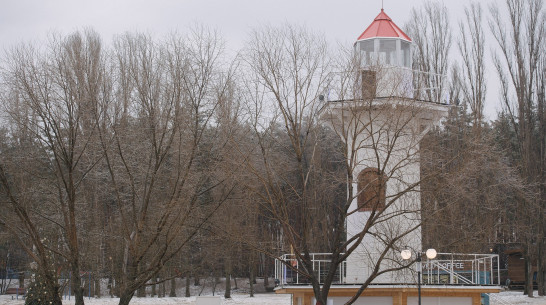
(44, 287)
(39, 293)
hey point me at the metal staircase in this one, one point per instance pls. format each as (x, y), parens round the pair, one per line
(462, 269)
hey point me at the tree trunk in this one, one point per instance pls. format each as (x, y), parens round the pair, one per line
(58, 300)
(97, 287)
(266, 272)
(235, 281)
(57, 297)
(110, 287)
(526, 272)
(216, 280)
(125, 298)
(172, 294)
(154, 280)
(77, 284)
(541, 268)
(540, 271)
(187, 286)
(86, 286)
(21, 280)
(544, 282)
(540, 282)
(251, 280)
(141, 292)
(52, 287)
(227, 294)
(162, 288)
(529, 277)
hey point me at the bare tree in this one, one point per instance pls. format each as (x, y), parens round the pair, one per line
(460, 152)
(541, 154)
(518, 64)
(291, 67)
(160, 145)
(51, 97)
(471, 46)
(429, 27)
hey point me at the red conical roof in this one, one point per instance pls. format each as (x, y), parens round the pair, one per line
(382, 26)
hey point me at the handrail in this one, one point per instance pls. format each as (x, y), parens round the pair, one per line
(286, 275)
(451, 273)
(465, 269)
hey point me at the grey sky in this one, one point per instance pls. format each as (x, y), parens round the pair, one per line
(340, 21)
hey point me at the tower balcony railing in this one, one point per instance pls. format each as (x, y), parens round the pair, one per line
(388, 82)
(445, 269)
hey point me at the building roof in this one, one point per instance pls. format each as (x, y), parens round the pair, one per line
(383, 26)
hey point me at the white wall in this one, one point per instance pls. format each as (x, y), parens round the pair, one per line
(411, 301)
(389, 136)
(403, 170)
(441, 301)
(360, 301)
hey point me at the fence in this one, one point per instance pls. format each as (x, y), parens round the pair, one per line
(445, 269)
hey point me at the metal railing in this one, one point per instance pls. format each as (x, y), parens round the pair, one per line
(445, 269)
(390, 81)
(286, 269)
(462, 269)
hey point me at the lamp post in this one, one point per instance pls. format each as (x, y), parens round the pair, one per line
(406, 255)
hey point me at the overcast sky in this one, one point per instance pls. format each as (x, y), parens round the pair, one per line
(340, 21)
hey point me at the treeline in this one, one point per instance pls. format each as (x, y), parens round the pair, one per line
(140, 162)
(490, 192)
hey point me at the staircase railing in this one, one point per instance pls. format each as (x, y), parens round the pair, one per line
(463, 269)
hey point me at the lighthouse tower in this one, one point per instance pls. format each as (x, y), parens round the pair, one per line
(382, 108)
(384, 121)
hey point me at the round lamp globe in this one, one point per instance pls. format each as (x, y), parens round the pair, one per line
(431, 253)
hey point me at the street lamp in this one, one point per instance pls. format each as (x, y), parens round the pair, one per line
(406, 255)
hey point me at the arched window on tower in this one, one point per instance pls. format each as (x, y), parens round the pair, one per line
(372, 189)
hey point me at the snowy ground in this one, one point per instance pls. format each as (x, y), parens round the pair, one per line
(266, 299)
(517, 297)
(507, 297)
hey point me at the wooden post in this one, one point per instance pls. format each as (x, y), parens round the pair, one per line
(307, 299)
(397, 299)
(476, 299)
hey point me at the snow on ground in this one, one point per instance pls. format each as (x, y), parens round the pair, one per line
(517, 297)
(266, 299)
(508, 297)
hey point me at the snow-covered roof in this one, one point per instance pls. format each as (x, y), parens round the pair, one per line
(383, 26)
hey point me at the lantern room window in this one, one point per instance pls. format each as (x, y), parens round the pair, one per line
(406, 53)
(368, 52)
(387, 52)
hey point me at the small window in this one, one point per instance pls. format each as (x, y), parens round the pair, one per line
(372, 187)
